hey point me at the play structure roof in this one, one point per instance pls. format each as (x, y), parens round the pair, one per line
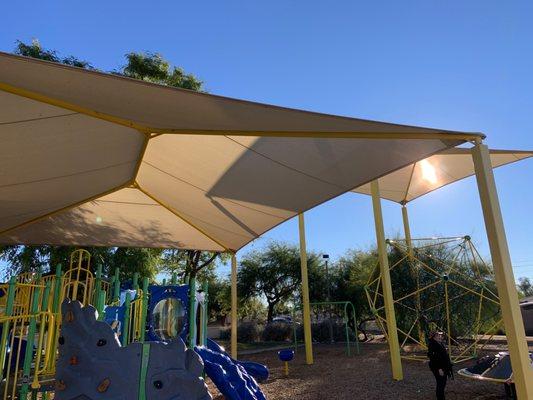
(88, 158)
(432, 173)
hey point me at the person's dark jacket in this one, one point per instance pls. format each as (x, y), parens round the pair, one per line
(439, 358)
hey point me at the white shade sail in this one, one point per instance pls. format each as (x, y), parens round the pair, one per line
(88, 158)
(432, 173)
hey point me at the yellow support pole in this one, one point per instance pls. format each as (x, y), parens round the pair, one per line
(501, 260)
(414, 270)
(306, 309)
(394, 344)
(407, 230)
(234, 306)
(448, 318)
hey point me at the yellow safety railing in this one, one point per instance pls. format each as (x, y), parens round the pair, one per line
(30, 318)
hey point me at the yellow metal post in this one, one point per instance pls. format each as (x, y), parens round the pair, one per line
(234, 306)
(394, 345)
(501, 260)
(407, 230)
(413, 268)
(306, 309)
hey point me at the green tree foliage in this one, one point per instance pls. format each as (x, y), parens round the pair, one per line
(220, 303)
(151, 67)
(44, 259)
(525, 287)
(131, 260)
(35, 50)
(192, 263)
(350, 275)
(272, 274)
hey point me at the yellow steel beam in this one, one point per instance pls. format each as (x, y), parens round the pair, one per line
(66, 208)
(78, 203)
(416, 292)
(394, 344)
(180, 216)
(297, 134)
(141, 156)
(325, 135)
(404, 202)
(376, 293)
(407, 231)
(472, 291)
(414, 271)
(73, 107)
(306, 309)
(408, 336)
(501, 259)
(234, 320)
(448, 319)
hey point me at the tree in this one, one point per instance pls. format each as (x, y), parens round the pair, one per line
(220, 303)
(151, 67)
(35, 50)
(274, 274)
(192, 263)
(525, 287)
(350, 277)
(131, 260)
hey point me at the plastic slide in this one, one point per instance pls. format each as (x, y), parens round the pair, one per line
(258, 371)
(233, 378)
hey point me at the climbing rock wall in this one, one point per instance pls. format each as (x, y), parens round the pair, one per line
(92, 365)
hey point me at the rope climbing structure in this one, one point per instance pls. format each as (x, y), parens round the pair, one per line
(438, 284)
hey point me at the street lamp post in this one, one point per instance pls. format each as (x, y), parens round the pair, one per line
(325, 257)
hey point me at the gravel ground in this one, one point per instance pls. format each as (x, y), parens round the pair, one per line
(365, 376)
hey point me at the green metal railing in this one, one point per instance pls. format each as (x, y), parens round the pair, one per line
(348, 310)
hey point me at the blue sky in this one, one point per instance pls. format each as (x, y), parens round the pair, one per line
(455, 65)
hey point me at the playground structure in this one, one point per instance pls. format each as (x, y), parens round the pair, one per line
(128, 319)
(162, 147)
(286, 356)
(326, 319)
(438, 284)
(495, 368)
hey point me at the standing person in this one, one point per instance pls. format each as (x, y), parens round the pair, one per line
(439, 362)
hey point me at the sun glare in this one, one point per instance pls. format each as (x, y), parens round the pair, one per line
(428, 172)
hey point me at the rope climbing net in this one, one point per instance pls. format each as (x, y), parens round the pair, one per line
(438, 284)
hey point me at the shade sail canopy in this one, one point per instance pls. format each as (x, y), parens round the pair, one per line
(432, 173)
(88, 158)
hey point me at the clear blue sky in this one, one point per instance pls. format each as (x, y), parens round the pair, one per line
(455, 64)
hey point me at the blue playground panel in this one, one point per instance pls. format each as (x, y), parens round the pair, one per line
(236, 380)
(286, 355)
(158, 293)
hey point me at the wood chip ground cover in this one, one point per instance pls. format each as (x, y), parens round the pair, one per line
(366, 376)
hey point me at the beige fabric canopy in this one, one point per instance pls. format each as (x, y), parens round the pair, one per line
(432, 173)
(88, 158)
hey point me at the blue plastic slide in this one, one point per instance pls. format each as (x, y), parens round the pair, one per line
(234, 379)
(258, 371)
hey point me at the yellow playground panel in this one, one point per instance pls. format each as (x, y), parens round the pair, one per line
(30, 318)
(438, 284)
